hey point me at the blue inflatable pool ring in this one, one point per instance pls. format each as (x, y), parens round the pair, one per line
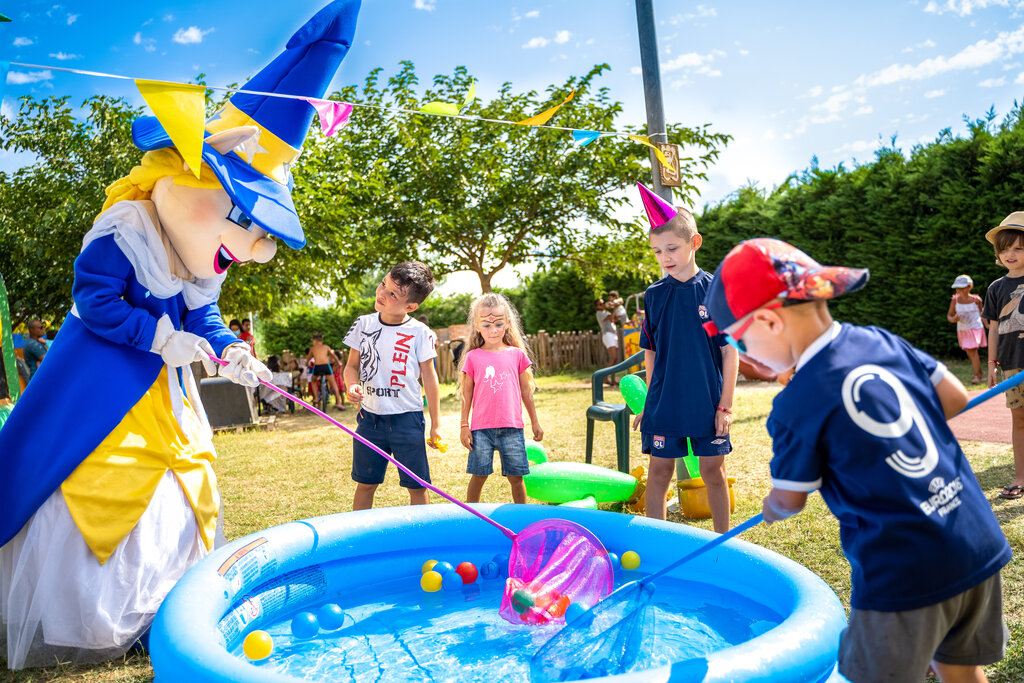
(273, 576)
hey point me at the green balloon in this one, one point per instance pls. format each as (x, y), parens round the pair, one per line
(634, 391)
(535, 453)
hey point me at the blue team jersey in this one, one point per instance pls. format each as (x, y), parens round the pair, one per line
(861, 421)
(686, 381)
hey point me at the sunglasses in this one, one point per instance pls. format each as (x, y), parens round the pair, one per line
(736, 338)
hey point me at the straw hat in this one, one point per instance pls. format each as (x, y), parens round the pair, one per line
(1015, 221)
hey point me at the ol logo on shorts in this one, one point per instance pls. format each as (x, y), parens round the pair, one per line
(659, 442)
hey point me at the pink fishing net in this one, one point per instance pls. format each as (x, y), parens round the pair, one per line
(553, 563)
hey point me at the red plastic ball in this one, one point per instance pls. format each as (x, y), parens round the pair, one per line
(467, 570)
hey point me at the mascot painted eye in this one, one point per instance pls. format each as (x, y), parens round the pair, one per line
(108, 501)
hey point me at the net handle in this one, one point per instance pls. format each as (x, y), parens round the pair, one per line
(505, 530)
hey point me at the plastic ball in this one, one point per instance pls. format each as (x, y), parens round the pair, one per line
(431, 582)
(614, 558)
(535, 453)
(305, 625)
(258, 645)
(574, 611)
(491, 570)
(443, 568)
(331, 616)
(451, 581)
(502, 562)
(427, 566)
(522, 600)
(630, 560)
(468, 572)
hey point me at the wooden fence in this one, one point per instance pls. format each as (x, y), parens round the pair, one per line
(551, 353)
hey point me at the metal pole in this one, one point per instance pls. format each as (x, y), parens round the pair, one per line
(652, 88)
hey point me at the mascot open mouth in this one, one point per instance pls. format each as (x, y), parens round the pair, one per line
(223, 260)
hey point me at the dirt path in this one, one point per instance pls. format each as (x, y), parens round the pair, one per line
(988, 422)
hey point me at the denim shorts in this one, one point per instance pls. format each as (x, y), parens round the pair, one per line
(511, 446)
(400, 435)
(675, 446)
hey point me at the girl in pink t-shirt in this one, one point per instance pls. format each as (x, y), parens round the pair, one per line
(496, 383)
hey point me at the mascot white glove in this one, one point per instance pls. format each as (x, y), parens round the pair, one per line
(179, 348)
(243, 368)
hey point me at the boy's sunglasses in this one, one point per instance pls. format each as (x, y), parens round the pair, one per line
(736, 338)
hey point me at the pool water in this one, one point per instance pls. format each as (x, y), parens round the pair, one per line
(405, 634)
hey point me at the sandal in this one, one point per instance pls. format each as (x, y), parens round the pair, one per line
(1011, 492)
(975, 380)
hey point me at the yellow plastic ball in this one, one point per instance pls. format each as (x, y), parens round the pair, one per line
(431, 582)
(258, 645)
(630, 560)
(427, 566)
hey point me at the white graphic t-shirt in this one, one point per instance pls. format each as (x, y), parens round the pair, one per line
(389, 362)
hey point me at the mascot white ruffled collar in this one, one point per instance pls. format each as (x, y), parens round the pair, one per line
(109, 491)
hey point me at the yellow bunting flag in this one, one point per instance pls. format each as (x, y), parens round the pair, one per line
(644, 140)
(180, 108)
(543, 117)
(470, 95)
(441, 108)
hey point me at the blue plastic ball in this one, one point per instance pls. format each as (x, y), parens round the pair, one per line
(443, 568)
(450, 581)
(502, 562)
(491, 570)
(330, 616)
(615, 560)
(576, 610)
(305, 625)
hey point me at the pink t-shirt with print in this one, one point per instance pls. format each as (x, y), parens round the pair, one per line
(497, 401)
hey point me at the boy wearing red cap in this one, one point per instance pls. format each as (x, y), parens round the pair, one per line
(691, 377)
(863, 420)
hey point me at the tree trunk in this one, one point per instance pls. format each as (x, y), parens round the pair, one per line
(485, 281)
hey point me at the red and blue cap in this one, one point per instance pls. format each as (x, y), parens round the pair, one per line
(259, 180)
(757, 271)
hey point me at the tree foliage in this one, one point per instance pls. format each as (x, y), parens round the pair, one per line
(915, 220)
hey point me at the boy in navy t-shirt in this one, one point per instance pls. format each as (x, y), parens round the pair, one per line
(863, 420)
(690, 377)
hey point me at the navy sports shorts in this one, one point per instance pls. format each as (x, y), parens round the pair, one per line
(401, 435)
(675, 446)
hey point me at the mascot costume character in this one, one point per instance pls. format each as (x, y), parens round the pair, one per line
(109, 494)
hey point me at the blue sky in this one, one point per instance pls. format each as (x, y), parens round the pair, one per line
(789, 80)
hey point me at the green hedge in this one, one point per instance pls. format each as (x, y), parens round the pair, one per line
(915, 221)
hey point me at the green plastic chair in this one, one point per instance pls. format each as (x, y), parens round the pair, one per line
(616, 413)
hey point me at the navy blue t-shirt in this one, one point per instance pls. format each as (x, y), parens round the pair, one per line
(686, 381)
(861, 421)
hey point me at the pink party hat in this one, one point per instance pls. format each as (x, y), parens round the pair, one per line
(659, 212)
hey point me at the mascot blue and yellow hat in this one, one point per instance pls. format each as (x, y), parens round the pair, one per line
(258, 177)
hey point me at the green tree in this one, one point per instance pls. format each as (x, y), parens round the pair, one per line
(470, 195)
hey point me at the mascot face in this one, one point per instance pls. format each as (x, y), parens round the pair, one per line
(203, 224)
(207, 230)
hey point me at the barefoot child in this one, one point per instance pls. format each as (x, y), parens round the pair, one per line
(496, 384)
(323, 358)
(965, 311)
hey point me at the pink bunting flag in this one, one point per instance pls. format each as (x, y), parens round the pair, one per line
(333, 115)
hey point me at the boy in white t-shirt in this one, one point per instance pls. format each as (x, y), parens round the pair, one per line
(389, 353)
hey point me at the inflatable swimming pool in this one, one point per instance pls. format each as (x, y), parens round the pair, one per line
(262, 580)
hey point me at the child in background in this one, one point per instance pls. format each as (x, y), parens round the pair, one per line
(1005, 318)
(390, 353)
(965, 311)
(863, 420)
(323, 358)
(496, 383)
(691, 377)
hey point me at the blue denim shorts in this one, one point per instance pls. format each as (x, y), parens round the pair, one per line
(675, 446)
(400, 435)
(511, 446)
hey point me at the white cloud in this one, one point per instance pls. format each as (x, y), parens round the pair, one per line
(147, 22)
(64, 56)
(934, 93)
(7, 109)
(965, 7)
(744, 53)
(992, 83)
(535, 42)
(857, 146)
(72, 18)
(1020, 78)
(428, 5)
(137, 38)
(168, 17)
(636, 71)
(21, 41)
(865, 109)
(562, 37)
(192, 34)
(814, 92)
(532, 14)
(692, 63)
(918, 46)
(700, 12)
(979, 54)
(22, 77)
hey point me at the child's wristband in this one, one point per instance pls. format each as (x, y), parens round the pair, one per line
(465, 424)
(724, 410)
(993, 362)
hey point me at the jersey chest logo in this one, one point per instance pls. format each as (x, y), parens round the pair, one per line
(702, 311)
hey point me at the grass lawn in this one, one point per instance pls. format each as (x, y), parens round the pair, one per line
(302, 470)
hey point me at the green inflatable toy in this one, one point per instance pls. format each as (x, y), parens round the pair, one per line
(634, 391)
(535, 453)
(566, 482)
